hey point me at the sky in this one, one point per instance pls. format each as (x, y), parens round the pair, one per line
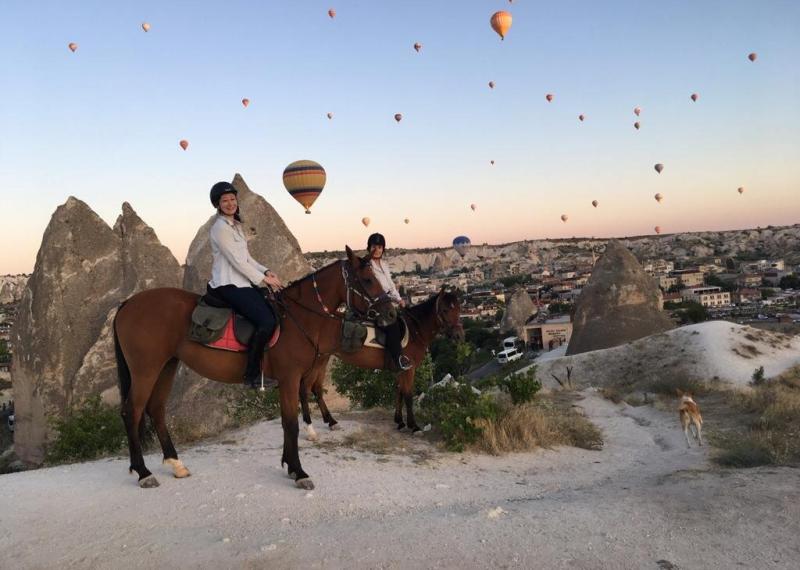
(103, 124)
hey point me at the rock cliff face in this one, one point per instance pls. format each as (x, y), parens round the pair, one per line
(619, 304)
(64, 348)
(518, 310)
(11, 288)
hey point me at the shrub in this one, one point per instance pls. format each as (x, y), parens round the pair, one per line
(371, 388)
(90, 431)
(747, 451)
(521, 387)
(758, 376)
(250, 406)
(455, 411)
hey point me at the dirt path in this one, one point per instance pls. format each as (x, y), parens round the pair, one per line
(644, 501)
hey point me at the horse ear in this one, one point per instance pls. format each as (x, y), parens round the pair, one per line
(350, 254)
(679, 392)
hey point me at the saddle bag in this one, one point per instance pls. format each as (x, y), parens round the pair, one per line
(354, 334)
(208, 323)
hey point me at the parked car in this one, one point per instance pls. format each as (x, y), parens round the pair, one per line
(508, 355)
(11, 422)
(512, 342)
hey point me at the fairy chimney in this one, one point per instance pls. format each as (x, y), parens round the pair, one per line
(518, 310)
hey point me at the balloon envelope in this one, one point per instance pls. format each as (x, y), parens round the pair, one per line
(491, 85)
(406, 220)
(564, 217)
(637, 110)
(501, 23)
(659, 167)
(636, 125)
(657, 229)
(753, 56)
(473, 206)
(330, 115)
(398, 117)
(595, 203)
(461, 245)
(492, 162)
(332, 13)
(73, 46)
(245, 102)
(304, 180)
(658, 197)
(549, 97)
(740, 190)
(146, 27)
(184, 144)
(695, 97)
(417, 46)
(581, 118)
(365, 220)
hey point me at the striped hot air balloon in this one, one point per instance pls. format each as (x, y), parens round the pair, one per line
(304, 180)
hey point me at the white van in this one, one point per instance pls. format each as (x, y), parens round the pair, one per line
(511, 342)
(508, 355)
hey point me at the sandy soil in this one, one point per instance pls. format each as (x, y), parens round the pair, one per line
(644, 501)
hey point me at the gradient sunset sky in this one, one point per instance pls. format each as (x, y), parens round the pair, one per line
(103, 123)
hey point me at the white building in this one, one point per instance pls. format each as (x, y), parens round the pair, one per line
(707, 296)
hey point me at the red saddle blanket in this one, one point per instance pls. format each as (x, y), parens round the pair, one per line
(228, 340)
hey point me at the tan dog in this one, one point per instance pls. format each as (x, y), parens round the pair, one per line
(689, 413)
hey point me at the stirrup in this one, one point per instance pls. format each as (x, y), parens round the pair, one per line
(405, 362)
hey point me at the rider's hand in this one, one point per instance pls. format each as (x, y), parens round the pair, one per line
(402, 303)
(271, 280)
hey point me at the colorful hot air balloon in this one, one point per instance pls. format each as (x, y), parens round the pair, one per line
(417, 46)
(657, 229)
(740, 189)
(398, 117)
(245, 102)
(473, 207)
(501, 23)
(595, 203)
(549, 97)
(73, 46)
(146, 26)
(304, 180)
(637, 110)
(659, 167)
(694, 97)
(330, 115)
(461, 245)
(365, 220)
(753, 56)
(184, 144)
(658, 197)
(564, 218)
(491, 85)
(332, 13)
(636, 125)
(581, 118)
(406, 220)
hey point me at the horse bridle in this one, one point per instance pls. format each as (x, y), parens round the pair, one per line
(370, 312)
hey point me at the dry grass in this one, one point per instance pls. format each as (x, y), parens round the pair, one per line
(546, 422)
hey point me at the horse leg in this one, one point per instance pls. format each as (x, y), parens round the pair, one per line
(156, 409)
(406, 387)
(132, 415)
(323, 407)
(398, 409)
(289, 395)
(310, 432)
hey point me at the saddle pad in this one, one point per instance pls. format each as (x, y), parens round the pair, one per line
(228, 340)
(376, 338)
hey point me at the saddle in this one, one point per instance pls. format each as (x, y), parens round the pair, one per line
(357, 334)
(216, 325)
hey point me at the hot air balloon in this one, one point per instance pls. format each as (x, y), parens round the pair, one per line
(657, 229)
(501, 23)
(184, 144)
(365, 220)
(417, 46)
(595, 203)
(658, 197)
(146, 26)
(398, 117)
(245, 102)
(740, 189)
(491, 85)
(637, 110)
(659, 167)
(406, 220)
(581, 118)
(753, 56)
(461, 245)
(332, 13)
(636, 125)
(473, 206)
(330, 115)
(491, 162)
(694, 97)
(73, 46)
(549, 97)
(564, 218)
(304, 180)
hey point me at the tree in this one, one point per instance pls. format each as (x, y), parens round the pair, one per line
(789, 282)
(450, 357)
(694, 312)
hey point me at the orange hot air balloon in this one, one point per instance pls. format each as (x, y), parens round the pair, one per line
(657, 229)
(491, 85)
(365, 220)
(549, 97)
(473, 206)
(581, 118)
(694, 97)
(304, 180)
(501, 23)
(417, 46)
(753, 56)
(637, 110)
(73, 46)
(595, 203)
(245, 102)
(658, 197)
(740, 189)
(332, 13)
(659, 167)
(146, 26)
(398, 117)
(184, 144)
(406, 220)
(636, 125)
(564, 218)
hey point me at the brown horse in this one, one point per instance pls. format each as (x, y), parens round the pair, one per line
(440, 313)
(150, 337)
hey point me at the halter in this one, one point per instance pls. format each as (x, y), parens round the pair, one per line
(370, 313)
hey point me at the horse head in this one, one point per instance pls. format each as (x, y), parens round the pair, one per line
(372, 300)
(448, 312)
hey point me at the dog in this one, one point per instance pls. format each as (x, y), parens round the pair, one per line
(689, 413)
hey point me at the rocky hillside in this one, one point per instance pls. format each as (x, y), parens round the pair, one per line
(11, 288)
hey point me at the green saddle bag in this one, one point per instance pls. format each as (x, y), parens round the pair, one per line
(208, 323)
(353, 335)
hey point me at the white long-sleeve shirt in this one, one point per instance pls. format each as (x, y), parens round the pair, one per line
(232, 263)
(384, 276)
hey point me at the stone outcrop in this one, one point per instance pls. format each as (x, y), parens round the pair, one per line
(518, 310)
(11, 288)
(619, 304)
(63, 344)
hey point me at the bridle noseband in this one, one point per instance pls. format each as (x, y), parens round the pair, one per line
(371, 313)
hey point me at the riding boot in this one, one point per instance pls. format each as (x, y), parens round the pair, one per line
(396, 360)
(252, 376)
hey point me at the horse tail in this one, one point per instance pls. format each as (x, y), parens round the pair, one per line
(123, 372)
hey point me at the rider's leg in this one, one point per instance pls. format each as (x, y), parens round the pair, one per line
(394, 339)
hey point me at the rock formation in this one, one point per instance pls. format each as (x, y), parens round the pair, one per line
(11, 288)
(619, 304)
(518, 310)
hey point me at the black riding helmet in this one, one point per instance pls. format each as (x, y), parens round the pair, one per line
(376, 239)
(220, 188)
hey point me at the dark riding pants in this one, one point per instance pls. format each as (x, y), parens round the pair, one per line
(394, 339)
(250, 303)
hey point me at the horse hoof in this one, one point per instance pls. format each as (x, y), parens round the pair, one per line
(148, 482)
(311, 433)
(335, 427)
(418, 432)
(400, 426)
(306, 484)
(179, 470)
